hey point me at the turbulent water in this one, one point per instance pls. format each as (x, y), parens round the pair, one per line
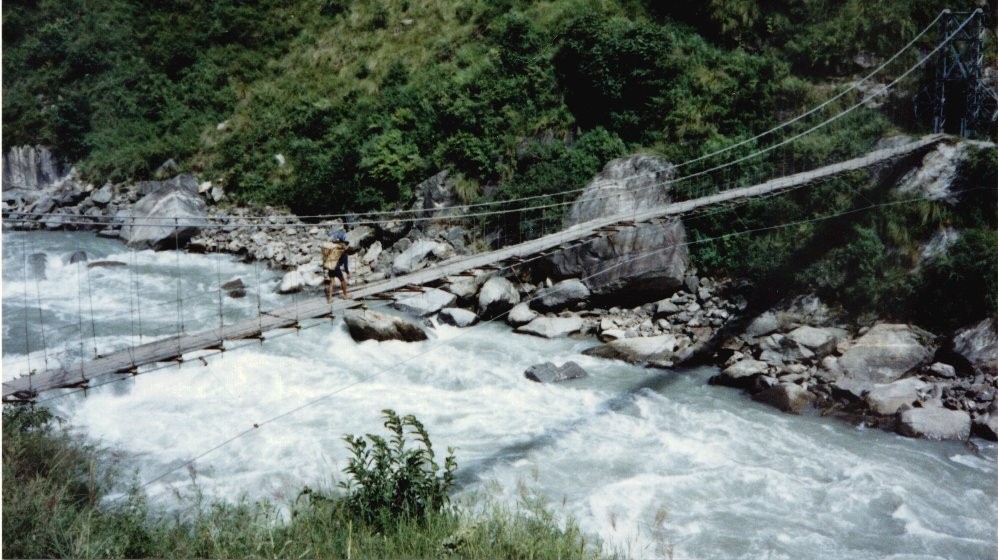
(657, 464)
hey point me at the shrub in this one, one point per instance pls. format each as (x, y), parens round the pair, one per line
(392, 481)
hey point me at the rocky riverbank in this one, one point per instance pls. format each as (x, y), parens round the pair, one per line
(800, 356)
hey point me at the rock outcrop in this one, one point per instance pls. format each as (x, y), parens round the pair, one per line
(374, 325)
(178, 198)
(884, 354)
(550, 373)
(644, 262)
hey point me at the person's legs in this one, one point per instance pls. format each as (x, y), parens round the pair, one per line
(329, 287)
(342, 277)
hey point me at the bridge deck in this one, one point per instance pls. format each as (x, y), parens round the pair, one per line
(173, 348)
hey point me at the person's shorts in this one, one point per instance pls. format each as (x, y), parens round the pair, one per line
(334, 273)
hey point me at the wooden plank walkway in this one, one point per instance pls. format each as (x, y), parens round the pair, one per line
(173, 348)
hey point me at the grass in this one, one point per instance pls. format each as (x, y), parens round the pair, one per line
(55, 505)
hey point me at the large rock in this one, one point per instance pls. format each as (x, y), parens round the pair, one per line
(935, 178)
(886, 399)
(435, 195)
(819, 341)
(418, 254)
(652, 351)
(779, 349)
(497, 296)
(457, 317)
(934, 423)
(563, 294)
(762, 325)
(986, 427)
(885, 353)
(425, 303)
(298, 279)
(178, 201)
(978, 345)
(645, 262)
(550, 373)
(740, 374)
(464, 287)
(521, 314)
(374, 325)
(787, 397)
(551, 327)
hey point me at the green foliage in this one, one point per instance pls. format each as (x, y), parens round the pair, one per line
(961, 285)
(393, 479)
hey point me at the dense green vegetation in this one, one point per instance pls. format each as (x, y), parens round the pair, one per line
(329, 106)
(362, 100)
(54, 485)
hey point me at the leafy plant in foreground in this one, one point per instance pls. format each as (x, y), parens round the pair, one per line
(393, 481)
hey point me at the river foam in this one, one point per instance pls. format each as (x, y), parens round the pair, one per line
(656, 463)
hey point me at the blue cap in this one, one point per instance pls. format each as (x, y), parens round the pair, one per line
(338, 235)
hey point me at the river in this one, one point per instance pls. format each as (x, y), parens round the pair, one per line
(655, 463)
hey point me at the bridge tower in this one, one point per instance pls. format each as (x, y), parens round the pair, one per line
(959, 101)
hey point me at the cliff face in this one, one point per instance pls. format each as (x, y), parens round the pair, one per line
(32, 168)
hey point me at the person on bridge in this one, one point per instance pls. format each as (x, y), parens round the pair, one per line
(334, 263)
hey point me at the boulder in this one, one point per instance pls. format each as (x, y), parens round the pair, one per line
(551, 327)
(425, 303)
(788, 397)
(885, 353)
(609, 335)
(497, 296)
(887, 398)
(78, 256)
(665, 308)
(372, 254)
(235, 289)
(464, 287)
(934, 423)
(653, 351)
(521, 314)
(360, 236)
(819, 341)
(940, 369)
(457, 317)
(299, 279)
(417, 256)
(762, 325)
(374, 325)
(780, 349)
(978, 345)
(849, 388)
(176, 199)
(550, 373)
(559, 296)
(986, 427)
(740, 374)
(103, 195)
(643, 262)
(435, 195)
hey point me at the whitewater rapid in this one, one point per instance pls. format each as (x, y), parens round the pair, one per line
(655, 463)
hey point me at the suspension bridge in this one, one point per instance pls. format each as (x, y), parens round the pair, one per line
(174, 348)
(958, 48)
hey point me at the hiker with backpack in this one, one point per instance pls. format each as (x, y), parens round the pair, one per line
(334, 262)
